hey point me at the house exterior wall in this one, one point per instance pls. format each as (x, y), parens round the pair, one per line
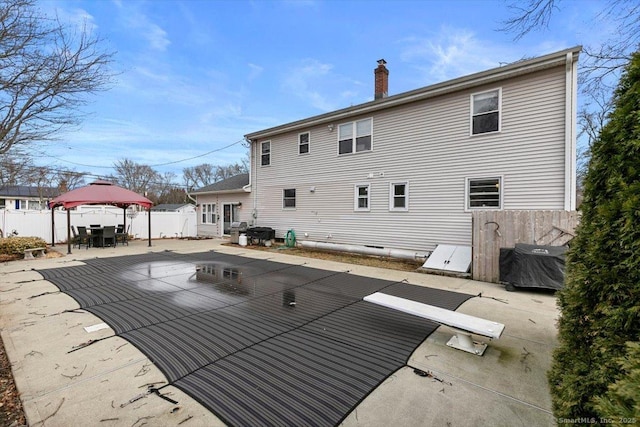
(242, 199)
(426, 144)
(20, 203)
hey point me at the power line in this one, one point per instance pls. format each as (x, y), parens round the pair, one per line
(152, 166)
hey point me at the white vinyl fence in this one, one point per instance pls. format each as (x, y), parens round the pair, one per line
(38, 223)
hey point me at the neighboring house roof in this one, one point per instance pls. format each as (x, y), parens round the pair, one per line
(28, 191)
(485, 77)
(234, 184)
(170, 207)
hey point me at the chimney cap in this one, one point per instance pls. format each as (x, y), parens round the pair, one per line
(381, 61)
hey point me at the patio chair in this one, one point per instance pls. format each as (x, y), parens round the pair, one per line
(122, 236)
(83, 237)
(74, 239)
(109, 235)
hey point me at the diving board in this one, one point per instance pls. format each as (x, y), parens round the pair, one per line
(463, 324)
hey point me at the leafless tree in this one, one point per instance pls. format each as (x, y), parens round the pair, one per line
(199, 176)
(14, 169)
(66, 180)
(607, 58)
(46, 72)
(174, 195)
(604, 62)
(134, 176)
(206, 174)
(528, 16)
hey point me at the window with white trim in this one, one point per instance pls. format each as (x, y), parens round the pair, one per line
(304, 140)
(355, 137)
(485, 112)
(265, 151)
(484, 193)
(399, 196)
(289, 198)
(209, 213)
(362, 197)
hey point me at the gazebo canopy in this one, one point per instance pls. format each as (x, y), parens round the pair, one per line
(100, 193)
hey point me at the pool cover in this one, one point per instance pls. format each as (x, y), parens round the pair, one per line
(257, 342)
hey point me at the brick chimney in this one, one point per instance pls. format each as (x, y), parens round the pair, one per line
(381, 80)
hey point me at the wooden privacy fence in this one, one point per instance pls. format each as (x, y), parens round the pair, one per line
(493, 230)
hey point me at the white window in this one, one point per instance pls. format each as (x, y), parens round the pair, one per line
(37, 205)
(485, 109)
(303, 143)
(399, 196)
(209, 213)
(265, 149)
(484, 193)
(362, 197)
(289, 198)
(355, 137)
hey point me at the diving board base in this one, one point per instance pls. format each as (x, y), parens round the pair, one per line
(462, 341)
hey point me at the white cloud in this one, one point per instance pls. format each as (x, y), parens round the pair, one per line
(453, 52)
(304, 78)
(146, 29)
(254, 71)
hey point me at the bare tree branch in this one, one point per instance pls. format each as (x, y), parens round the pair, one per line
(529, 16)
(46, 72)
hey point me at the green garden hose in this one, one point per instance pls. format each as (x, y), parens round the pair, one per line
(290, 239)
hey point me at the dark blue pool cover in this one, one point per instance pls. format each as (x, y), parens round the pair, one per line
(258, 342)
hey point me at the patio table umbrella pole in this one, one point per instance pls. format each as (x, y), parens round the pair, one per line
(149, 214)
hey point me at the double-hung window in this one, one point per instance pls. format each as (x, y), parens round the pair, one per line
(399, 196)
(209, 213)
(289, 198)
(265, 150)
(484, 193)
(303, 142)
(355, 137)
(362, 197)
(485, 109)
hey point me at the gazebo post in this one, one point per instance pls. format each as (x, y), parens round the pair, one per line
(149, 213)
(124, 222)
(68, 232)
(53, 227)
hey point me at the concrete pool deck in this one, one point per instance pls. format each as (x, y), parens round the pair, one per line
(104, 384)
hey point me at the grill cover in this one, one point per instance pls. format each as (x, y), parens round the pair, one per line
(533, 266)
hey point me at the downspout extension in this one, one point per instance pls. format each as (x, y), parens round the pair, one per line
(366, 250)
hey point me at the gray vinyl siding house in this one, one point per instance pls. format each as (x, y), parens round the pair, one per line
(406, 171)
(222, 203)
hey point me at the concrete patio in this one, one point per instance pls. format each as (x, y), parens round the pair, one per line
(105, 383)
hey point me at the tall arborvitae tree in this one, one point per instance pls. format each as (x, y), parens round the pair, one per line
(600, 304)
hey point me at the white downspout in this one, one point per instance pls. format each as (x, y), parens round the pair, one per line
(247, 188)
(571, 103)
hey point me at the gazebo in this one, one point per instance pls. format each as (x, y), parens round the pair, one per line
(97, 193)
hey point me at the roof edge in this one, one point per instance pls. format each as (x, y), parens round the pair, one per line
(483, 77)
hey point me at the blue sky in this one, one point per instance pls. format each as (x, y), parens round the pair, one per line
(194, 76)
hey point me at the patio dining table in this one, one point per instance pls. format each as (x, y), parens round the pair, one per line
(95, 234)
